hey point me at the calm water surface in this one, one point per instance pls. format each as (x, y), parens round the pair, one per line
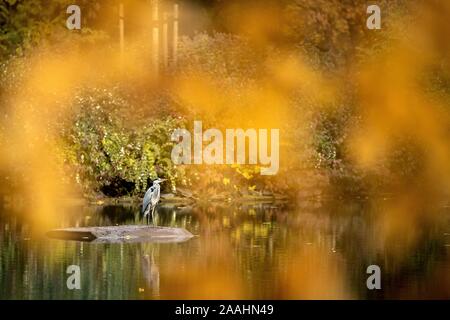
(263, 251)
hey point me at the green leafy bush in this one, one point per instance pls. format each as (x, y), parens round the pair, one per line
(111, 157)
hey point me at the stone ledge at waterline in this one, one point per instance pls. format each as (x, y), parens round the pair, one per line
(170, 199)
(122, 234)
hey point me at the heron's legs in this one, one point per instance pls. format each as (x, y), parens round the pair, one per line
(153, 215)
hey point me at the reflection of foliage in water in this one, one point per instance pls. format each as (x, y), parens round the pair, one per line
(246, 251)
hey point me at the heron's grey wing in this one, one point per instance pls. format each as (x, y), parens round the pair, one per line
(155, 196)
(147, 199)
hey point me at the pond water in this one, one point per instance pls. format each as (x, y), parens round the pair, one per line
(315, 250)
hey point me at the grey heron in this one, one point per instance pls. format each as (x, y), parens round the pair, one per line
(151, 199)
